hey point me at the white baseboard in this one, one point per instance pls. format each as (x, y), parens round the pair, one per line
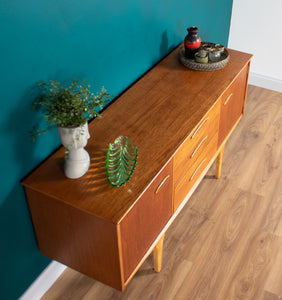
(44, 281)
(265, 82)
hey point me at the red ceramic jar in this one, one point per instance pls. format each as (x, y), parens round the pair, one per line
(192, 42)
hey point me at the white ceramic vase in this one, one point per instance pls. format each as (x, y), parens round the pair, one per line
(77, 160)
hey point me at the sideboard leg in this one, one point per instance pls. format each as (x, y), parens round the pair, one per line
(219, 163)
(158, 253)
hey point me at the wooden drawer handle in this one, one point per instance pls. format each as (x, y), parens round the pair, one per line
(199, 146)
(195, 172)
(228, 98)
(200, 126)
(161, 184)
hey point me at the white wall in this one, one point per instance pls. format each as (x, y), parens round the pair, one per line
(256, 28)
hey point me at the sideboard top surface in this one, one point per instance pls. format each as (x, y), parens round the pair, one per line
(157, 113)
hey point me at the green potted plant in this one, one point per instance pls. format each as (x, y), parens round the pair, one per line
(69, 109)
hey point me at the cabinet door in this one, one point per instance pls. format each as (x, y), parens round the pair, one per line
(232, 107)
(144, 222)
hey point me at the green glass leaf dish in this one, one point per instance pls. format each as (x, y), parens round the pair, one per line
(121, 160)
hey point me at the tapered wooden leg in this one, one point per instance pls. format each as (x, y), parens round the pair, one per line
(158, 253)
(219, 162)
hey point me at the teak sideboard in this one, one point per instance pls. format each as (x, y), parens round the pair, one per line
(180, 120)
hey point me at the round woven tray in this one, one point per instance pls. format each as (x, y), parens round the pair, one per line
(210, 66)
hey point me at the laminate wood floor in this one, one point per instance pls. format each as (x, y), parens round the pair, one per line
(227, 241)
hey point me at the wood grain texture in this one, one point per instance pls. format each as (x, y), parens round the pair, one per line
(76, 239)
(106, 232)
(152, 113)
(195, 143)
(226, 243)
(191, 176)
(142, 225)
(158, 254)
(219, 161)
(232, 107)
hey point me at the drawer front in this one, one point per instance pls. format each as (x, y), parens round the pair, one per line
(232, 106)
(194, 172)
(144, 222)
(196, 143)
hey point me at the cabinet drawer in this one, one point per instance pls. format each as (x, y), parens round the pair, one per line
(144, 222)
(194, 172)
(196, 143)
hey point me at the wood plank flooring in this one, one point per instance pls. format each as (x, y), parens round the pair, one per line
(227, 241)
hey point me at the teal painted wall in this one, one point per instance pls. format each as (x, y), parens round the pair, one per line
(110, 43)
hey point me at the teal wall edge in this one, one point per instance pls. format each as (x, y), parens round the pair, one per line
(110, 43)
